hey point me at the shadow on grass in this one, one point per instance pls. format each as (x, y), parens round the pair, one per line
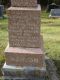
(1, 65)
(57, 63)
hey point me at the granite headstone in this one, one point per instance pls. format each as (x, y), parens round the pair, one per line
(25, 53)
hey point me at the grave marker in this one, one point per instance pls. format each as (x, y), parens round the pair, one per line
(25, 54)
(1, 11)
(55, 13)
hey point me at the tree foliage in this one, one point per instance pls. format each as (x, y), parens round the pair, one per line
(6, 3)
(42, 2)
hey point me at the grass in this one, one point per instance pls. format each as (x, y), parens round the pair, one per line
(51, 34)
(50, 29)
(3, 40)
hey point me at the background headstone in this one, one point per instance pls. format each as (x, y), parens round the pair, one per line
(1, 11)
(55, 13)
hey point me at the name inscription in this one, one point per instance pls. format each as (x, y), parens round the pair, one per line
(26, 60)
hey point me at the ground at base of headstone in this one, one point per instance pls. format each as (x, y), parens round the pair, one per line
(25, 79)
(51, 71)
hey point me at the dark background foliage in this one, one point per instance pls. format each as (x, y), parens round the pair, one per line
(7, 3)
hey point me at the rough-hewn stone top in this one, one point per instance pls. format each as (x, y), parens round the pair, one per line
(24, 3)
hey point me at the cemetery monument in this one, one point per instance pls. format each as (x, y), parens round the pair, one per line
(25, 56)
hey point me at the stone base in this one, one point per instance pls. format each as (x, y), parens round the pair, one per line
(27, 73)
(9, 78)
(33, 57)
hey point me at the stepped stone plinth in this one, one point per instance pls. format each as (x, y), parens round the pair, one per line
(25, 56)
(24, 72)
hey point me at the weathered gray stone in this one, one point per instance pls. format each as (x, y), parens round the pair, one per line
(51, 71)
(1, 11)
(54, 13)
(24, 72)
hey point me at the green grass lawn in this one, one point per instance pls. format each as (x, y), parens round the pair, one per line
(3, 40)
(50, 29)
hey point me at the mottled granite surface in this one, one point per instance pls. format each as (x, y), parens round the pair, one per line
(25, 57)
(24, 3)
(24, 27)
(24, 31)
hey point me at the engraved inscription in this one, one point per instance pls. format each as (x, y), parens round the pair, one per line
(26, 60)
